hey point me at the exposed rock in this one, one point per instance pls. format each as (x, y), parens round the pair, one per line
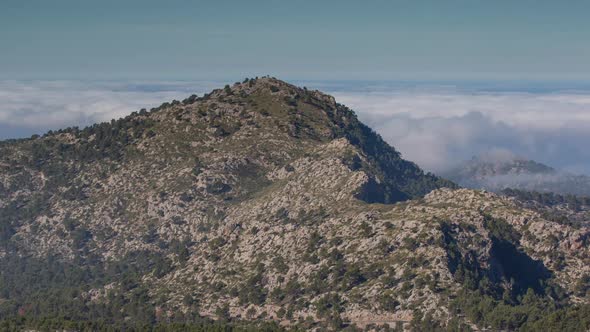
(274, 202)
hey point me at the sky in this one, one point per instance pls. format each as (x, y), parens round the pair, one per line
(299, 39)
(439, 80)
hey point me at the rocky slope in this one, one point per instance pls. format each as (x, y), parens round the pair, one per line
(265, 201)
(569, 209)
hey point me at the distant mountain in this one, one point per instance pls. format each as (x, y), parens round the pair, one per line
(266, 206)
(498, 171)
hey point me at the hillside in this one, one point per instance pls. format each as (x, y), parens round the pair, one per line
(498, 172)
(265, 202)
(569, 209)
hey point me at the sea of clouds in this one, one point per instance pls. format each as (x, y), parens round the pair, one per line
(438, 127)
(435, 125)
(33, 107)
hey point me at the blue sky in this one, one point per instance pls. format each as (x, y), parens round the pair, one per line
(229, 40)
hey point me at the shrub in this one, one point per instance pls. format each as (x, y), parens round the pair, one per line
(227, 89)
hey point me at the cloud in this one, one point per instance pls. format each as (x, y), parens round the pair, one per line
(439, 127)
(37, 106)
(498, 155)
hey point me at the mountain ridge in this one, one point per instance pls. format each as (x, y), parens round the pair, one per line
(262, 201)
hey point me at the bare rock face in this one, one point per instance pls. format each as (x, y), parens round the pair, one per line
(264, 201)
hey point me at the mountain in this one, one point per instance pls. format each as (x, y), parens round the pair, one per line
(496, 171)
(265, 206)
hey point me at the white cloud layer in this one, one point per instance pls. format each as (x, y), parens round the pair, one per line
(434, 126)
(35, 107)
(437, 128)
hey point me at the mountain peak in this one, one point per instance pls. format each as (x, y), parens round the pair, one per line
(257, 118)
(273, 85)
(499, 170)
(497, 162)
